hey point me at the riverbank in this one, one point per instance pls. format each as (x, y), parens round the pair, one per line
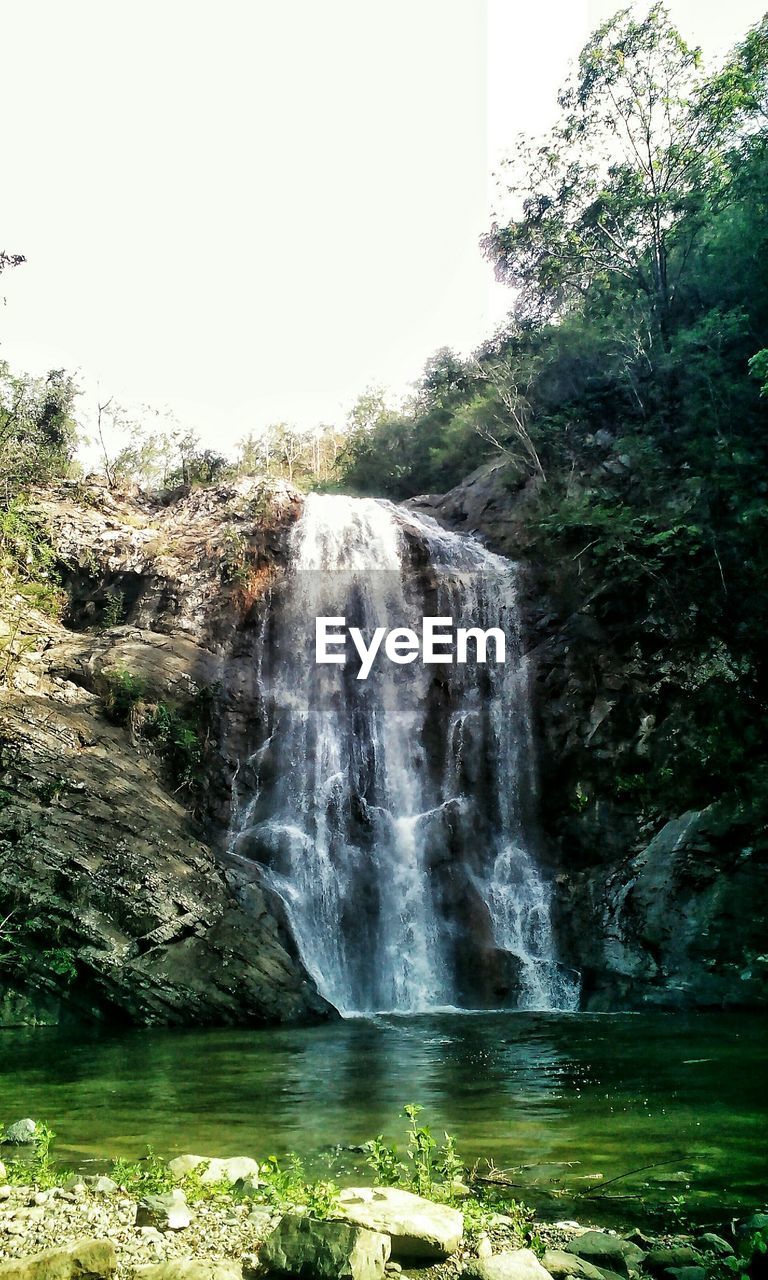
(229, 1228)
(669, 1106)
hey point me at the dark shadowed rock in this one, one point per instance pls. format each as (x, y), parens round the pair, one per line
(609, 1253)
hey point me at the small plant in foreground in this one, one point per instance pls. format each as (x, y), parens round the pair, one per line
(421, 1150)
(38, 1169)
(384, 1161)
(286, 1186)
(743, 1263)
(114, 611)
(150, 1175)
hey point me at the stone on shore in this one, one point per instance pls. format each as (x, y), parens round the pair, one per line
(511, 1264)
(562, 1266)
(663, 1261)
(83, 1260)
(715, 1244)
(314, 1249)
(609, 1253)
(21, 1133)
(166, 1212)
(232, 1169)
(101, 1186)
(188, 1269)
(417, 1227)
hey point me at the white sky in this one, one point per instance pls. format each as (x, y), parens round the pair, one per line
(249, 210)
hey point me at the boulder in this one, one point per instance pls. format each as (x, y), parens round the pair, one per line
(316, 1249)
(417, 1227)
(102, 1186)
(166, 1212)
(188, 1269)
(609, 1253)
(21, 1133)
(512, 1264)
(561, 1264)
(233, 1169)
(83, 1260)
(666, 1259)
(715, 1244)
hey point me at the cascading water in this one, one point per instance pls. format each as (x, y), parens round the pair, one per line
(389, 813)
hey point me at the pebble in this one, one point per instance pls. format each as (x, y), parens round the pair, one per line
(218, 1231)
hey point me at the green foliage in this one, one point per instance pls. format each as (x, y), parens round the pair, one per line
(758, 367)
(32, 949)
(286, 1186)
(747, 1262)
(123, 693)
(178, 741)
(148, 1176)
(627, 399)
(383, 1159)
(39, 1169)
(177, 737)
(37, 430)
(579, 799)
(159, 453)
(114, 610)
(28, 566)
(234, 557)
(430, 1169)
(421, 1151)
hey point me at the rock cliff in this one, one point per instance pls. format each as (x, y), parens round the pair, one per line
(656, 910)
(113, 901)
(118, 898)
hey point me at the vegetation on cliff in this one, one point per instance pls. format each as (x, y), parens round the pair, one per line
(628, 392)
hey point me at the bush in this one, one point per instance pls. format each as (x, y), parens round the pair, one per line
(177, 738)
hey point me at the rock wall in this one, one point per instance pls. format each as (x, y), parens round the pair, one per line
(113, 903)
(655, 913)
(117, 898)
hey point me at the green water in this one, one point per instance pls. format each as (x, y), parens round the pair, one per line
(579, 1099)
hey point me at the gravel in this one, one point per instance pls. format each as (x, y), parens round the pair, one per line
(31, 1221)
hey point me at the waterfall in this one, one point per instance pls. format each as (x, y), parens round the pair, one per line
(391, 814)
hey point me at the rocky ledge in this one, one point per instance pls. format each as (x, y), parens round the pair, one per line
(114, 903)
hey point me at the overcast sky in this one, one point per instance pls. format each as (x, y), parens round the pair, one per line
(252, 209)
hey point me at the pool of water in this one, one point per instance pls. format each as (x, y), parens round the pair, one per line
(665, 1105)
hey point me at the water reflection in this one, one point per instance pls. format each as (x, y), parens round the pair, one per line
(572, 1096)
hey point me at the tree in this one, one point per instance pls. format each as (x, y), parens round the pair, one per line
(736, 98)
(615, 192)
(38, 434)
(289, 446)
(10, 260)
(367, 410)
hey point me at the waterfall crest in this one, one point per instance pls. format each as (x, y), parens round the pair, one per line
(391, 814)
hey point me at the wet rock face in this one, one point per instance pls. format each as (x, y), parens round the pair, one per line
(654, 916)
(117, 905)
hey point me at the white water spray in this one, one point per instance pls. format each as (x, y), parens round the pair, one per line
(389, 814)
